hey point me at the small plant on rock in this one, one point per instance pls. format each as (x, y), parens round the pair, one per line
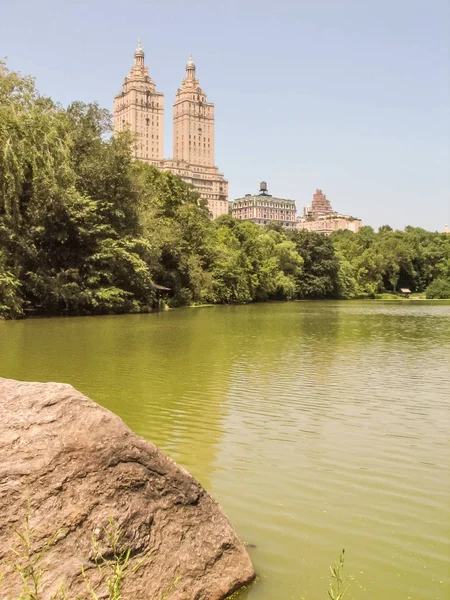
(27, 563)
(115, 568)
(113, 564)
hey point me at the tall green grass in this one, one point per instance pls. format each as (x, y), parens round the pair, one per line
(113, 566)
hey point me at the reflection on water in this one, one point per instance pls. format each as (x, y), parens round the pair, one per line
(316, 425)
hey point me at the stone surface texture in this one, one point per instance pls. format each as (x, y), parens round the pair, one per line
(77, 465)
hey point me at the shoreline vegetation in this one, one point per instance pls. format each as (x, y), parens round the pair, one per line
(86, 230)
(166, 307)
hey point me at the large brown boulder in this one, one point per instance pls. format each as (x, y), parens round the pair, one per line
(77, 465)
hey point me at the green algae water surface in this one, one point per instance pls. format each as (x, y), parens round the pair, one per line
(317, 426)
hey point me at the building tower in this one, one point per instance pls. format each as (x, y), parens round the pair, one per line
(140, 108)
(193, 122)
(320, 206)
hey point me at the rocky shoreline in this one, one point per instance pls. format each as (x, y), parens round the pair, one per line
(74, 466)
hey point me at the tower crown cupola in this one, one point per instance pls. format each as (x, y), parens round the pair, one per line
(139, 56)
(190, 68)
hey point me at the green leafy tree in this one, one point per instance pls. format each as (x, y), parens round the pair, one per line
(10, 299)
(86, 229)
(439, 288)
(320, 265)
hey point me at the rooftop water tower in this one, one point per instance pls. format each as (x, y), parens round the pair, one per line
(263, 188)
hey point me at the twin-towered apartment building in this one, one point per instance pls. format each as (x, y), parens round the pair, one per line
(140, 108)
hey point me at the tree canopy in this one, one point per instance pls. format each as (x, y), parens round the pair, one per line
(85, 229)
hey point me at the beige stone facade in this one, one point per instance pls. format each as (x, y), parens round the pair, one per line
(327, 225)
(141, 108)
(263, 208)
(193, 122)
(207, 181)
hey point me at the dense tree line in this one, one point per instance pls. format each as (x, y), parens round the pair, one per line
(372, 263)
(84, 229)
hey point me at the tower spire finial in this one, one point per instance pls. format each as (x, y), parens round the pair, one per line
(139, 55)
(190, 68)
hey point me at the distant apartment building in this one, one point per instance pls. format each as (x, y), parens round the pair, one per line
(321, 217)
(329, 224)
(140, 108)
(263, 208)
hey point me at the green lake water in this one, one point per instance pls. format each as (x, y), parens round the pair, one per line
(317, 426)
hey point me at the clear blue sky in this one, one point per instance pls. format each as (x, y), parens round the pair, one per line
(350, 96)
